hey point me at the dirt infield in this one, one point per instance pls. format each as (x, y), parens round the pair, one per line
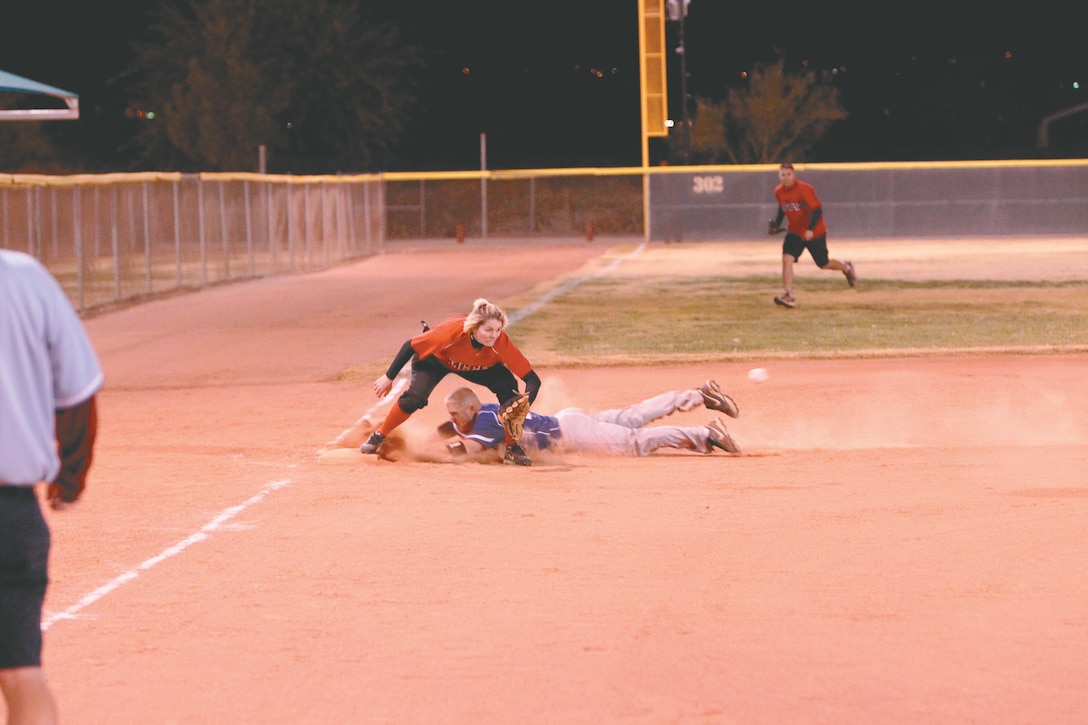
(902, 540)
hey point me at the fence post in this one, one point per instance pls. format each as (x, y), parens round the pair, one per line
(202, 239)
(249, 226)
(31, 248)
(290, 225)
(115, 245)
(147, 236)
(223, 227)
(53, 220)
(177, 233)
(422, 208)
(532, 205)
(272, 260)
(348, 197)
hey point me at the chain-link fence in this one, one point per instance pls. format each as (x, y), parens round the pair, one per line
(118, 237)
(114, 238)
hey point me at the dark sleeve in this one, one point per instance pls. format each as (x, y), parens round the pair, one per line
(402, 358)
(532, 385)
(817, 214)
(779, 217)
(77, 428)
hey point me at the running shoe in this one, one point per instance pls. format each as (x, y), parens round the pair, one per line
(851, 275)
(373, 443)
(715, 399)
(785, 300)
(718, 437)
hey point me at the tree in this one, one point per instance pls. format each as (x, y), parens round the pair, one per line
(315, 80)
(778, 116)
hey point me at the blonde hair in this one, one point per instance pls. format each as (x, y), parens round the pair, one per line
(482, 311)
(462, 399)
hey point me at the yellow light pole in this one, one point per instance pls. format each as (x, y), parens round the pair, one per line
(652, 89)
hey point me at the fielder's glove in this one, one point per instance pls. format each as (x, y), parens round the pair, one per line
(512, 415)
(772, 229)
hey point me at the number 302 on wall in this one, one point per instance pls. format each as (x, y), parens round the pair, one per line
(707, 184)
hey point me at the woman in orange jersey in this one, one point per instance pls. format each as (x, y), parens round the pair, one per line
(476, 347)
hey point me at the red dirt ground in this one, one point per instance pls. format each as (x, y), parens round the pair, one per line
(903, 540)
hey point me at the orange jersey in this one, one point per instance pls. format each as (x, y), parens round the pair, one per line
(798, 203)
(453, 347)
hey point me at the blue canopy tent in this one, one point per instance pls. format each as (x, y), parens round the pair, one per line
(18, 84)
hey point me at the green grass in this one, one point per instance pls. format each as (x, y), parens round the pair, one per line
(715, 317)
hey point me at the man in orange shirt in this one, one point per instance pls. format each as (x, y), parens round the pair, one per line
(797, 202)
(474, 346)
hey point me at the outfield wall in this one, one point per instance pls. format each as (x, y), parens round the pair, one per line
(877, 200)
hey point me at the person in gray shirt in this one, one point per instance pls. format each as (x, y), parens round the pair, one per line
(49, 375)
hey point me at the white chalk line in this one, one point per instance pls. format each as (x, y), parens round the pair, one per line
(205, 531)
(534, 306)
(398, 385)
(537, 304)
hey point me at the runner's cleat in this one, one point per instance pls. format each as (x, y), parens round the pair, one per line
(715, 399)
(718, 437)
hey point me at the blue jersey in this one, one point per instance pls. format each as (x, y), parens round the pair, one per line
(541, 431)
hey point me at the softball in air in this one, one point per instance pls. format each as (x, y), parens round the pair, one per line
(758, 375)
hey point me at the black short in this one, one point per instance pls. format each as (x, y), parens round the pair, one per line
(24, 558)
(428, 372)
(795, 246)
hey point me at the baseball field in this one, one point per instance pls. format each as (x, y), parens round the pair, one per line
(902, 539)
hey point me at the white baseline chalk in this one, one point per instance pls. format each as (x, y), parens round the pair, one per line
(204, 532)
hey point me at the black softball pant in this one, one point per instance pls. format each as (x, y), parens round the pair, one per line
(428, 373)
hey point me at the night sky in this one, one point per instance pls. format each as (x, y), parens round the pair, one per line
(555, 83)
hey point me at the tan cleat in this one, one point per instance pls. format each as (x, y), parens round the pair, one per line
(715, 399)
(718, 437)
